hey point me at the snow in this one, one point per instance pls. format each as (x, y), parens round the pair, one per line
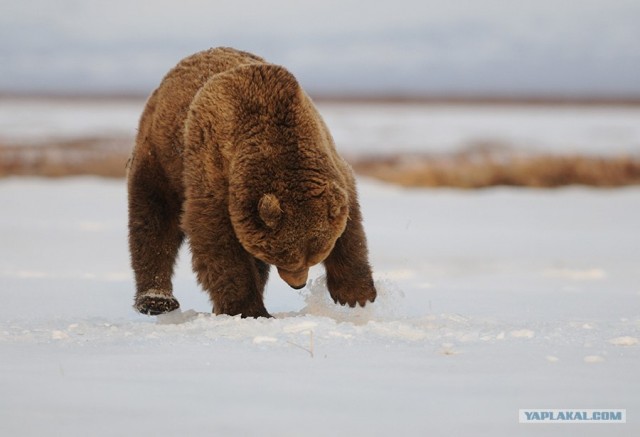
(444, 128)
(489, 301)
(368, 129)
(40, 120)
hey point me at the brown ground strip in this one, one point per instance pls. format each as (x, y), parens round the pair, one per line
(476, 167)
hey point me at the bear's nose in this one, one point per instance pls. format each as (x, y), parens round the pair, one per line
(296, 279)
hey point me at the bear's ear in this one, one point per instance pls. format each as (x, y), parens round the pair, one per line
(269, 210)
(338, 201)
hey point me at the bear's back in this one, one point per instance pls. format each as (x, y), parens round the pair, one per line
(180, 85)
(162, 123)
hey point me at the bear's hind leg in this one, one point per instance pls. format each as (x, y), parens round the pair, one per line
(154, 239)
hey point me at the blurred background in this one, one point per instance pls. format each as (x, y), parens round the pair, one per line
(471, 70)
(572, 48)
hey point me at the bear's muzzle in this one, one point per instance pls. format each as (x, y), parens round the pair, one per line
(296, 279)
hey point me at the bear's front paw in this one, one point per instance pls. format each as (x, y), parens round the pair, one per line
(352, 293)
(155, 302)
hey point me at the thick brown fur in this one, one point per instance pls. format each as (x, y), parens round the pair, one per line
(232, 153)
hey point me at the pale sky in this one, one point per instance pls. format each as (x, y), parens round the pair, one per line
(575, 47)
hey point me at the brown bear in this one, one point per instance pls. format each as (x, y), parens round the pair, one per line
(232, 154)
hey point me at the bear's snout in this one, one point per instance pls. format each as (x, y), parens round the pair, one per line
(296, 279)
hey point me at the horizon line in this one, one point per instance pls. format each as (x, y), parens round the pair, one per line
(553, 99)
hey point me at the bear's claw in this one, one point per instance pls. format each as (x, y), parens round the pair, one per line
(352, 303)
(353, 296)
(154, 302)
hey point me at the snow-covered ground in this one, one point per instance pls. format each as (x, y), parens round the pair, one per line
(366, 128)
(490, 301)
(389, 129)
(39, 120)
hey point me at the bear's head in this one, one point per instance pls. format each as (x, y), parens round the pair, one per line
(287, 199)
(291, 229)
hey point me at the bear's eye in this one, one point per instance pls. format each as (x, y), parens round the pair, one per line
(317, 190)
